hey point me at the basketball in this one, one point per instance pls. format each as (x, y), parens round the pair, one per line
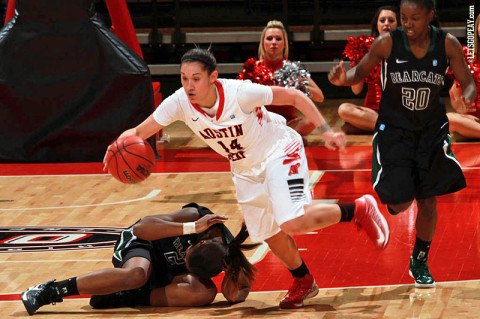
(130, 159)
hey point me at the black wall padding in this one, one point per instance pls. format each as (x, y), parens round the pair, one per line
(68, 85)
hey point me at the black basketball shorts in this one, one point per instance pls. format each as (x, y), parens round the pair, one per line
(409, 165)
(128, 246)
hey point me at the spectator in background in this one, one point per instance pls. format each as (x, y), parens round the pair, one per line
(467, 124)
(272, 52)
(363, 118)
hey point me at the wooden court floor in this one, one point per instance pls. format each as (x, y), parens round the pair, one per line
(48, 210)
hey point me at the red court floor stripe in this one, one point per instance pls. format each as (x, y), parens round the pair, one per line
(206, 160)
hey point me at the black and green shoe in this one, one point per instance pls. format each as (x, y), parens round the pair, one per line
(419, 271)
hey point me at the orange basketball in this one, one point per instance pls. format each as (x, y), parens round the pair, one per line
(130, 159)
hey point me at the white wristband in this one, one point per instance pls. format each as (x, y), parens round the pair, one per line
(189, 228)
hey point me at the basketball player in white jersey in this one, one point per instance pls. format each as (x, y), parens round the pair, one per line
(267, 159)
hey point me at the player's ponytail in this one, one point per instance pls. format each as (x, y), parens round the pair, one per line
(235, 260)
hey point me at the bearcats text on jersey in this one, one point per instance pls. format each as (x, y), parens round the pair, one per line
(417, 76)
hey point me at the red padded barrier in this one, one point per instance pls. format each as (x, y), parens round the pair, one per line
(10, 10)
(122, 24)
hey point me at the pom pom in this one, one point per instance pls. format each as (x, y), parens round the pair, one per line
(256, 72)
(473, 66)
(293, 75)
(356, 49)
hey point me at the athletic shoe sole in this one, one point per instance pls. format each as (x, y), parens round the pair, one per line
(300, 305)
(418, 285)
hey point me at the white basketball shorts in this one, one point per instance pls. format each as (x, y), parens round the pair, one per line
(278, 195)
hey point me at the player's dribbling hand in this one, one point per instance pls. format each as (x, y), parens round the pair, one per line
(105, 157)
(128, 132)
(208, 220)
(337, 75)
(334, 140)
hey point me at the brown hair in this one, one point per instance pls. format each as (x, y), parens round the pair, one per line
(202, 56)
(236, 261)
(273, 24)
(374, 29)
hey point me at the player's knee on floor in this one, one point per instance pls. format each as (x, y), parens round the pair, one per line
(199, 292)
(136, 278)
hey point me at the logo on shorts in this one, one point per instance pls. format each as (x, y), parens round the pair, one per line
(35, 239)
(296, 187)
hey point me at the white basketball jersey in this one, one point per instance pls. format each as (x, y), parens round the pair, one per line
(246, 139)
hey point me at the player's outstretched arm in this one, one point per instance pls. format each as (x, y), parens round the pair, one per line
(306, 106)
(145, 129)
(380, 49)
(184, 221)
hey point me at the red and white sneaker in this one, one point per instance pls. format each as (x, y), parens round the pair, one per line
(368, 217)
(301, 289)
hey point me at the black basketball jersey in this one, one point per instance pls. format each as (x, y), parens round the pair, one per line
(411, 86)
(168, 254)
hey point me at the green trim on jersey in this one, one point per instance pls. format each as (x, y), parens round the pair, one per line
(448, 149)
(376, 165)
(126, 238)
(432, 40)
